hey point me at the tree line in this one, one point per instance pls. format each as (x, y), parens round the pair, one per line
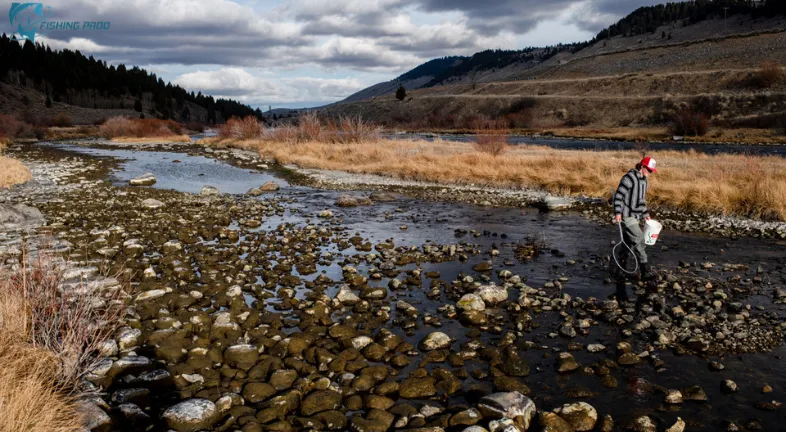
(59, 74)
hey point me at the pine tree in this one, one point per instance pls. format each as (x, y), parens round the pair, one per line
(138, 106)
(401, 93)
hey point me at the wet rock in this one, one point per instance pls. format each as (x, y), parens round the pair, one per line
(351, 201)
(152, 294)
(628, 359)
(254, 192)
(346, 296)
(673, 397)
(553, 423)
(151, 203)
(209, 191)
(678, 426)
(255, 392)
(241, 356)
(492, 294)
(319, 401)
(191, 415)
(283, 378)
(595, 348)
(728, 386)
(566, 363)
(581, 416)
(270, 186)
(516, 367)
(467, 417)
(471, 302)
(642, 424)
(483, 266)
(383, 197)
(94, 419)
(128, 338)
(325, 214)
(555, 203)
(417, 388)
(567, 330)
(436, 341)
(145, 179)
(133, 416)
(512, 405)
(694, 393)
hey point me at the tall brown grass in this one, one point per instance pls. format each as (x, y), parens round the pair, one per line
(689, 122)
(124, 127)
(48, 337)
(241, 128)
(491, 137)
(12, 172)
(690, 181)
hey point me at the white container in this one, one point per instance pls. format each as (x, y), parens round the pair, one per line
(651, 231)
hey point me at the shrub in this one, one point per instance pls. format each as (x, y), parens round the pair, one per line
(195, 126)
(353, 129)
(245, 128)
(689, 122)
(99, 121)
(11, 127)
(62, 120)
(769, 74)
(491, 137)
(309, 127)
(401, 93)
(138, 105)
(120, 126)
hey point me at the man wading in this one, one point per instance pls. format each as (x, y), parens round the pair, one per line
(630, 208)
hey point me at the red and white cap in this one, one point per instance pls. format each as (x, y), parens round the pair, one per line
(649, 163)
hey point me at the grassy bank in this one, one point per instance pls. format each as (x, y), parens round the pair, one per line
(720, 184)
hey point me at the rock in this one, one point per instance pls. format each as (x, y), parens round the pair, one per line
(152, 294)
(566, 363)
(467, 417)
(594, 348)
(492, 294)
(19, 214)
(151, 203)
(553, 423)
(555, 203)
(628, 359)
(255, 392)
(319, 401)
(516, 366)
(346, 296)
(436, 341)
(270, 186)
(642, 424)
(361, 342)
(145, 179)
(383, 197)
(678, 426)
(512, 405)
(350, 201)
(94, 419)
(567, 330)
(673, 397)
(581, 416)
(191, 415)
(471, 302)
(694, 393)
(254, 192)
(241, 356)
(417, 388)
(728, 386)
(128, 338)
(482, 266)
(209, 191)
(325, 214)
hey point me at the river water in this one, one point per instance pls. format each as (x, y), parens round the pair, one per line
(569, 236)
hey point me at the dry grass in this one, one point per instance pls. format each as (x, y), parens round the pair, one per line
(491, 138)
(47, 340)
(73, 132)
(245, 128)
(116, 127)
(309, 128)
(769, 74)
(717, 184)
(12, 172)
(153, 139)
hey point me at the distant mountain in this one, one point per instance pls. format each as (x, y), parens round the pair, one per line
(508, 65)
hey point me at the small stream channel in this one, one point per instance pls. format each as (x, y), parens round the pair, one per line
(569, 236)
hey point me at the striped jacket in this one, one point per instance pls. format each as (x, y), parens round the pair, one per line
(630, 199)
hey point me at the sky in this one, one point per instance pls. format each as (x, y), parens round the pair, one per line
(305, 53)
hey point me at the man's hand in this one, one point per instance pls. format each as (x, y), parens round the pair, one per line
(617, 218)
(646, 218)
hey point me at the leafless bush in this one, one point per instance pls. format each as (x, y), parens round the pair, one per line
(689, 122)
(68, 322)
(245, 128)
(769, 74)
(353, 129)
(62, 120)
(309, 127)
(491, 136)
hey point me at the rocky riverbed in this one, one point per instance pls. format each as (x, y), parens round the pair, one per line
(303, 309)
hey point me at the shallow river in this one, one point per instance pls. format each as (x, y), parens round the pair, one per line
(569, 237)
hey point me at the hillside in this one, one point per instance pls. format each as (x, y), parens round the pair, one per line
(662, 26)
(36, 81)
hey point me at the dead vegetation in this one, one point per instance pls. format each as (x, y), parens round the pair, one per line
(715, 184)
(308, 128)
(770, 73)
(117, 127)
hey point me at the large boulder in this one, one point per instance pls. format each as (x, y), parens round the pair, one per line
(270, 186)
(94, 419)
(145, 179)
(191, 415)
(19, 214)
(320, 401)
(209, 191)
(351, 201)
(512, 405)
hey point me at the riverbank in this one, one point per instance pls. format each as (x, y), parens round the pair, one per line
(285, 310)
(726, 185)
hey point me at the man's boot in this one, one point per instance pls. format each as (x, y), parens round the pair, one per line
(646, 272)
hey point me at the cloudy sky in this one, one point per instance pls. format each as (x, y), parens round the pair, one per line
(296, 53)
